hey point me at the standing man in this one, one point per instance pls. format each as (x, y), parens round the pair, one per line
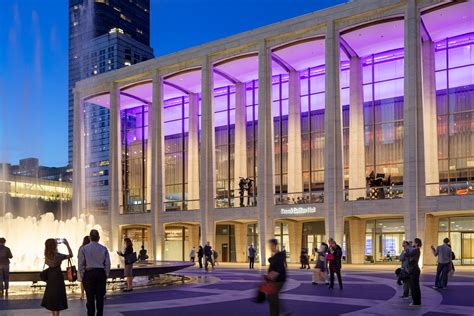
(5, 256)
(208, 256)
(444, 254)
(335, 263)
(251, 254)
(404, 260)
(200, 256)
(94, 267)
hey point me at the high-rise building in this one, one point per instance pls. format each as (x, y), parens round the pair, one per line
(92, 50)
(103, 35)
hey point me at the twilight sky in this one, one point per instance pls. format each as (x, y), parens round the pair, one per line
(33, 59)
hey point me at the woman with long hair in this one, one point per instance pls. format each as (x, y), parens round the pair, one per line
(127, 255)
(321, 267)
(414, 270)
(85, 241)
(54, 298)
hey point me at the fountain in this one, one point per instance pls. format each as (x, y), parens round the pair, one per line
(26, 236)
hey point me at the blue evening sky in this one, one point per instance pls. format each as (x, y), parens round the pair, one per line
(34, 52)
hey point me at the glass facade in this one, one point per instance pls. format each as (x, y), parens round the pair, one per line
(224, 118)
(134, 129)
(176, 130)
(251, 106)
(225, 243)
(140, 236)
(460, 231)
(96, 153)
(280, 124)
(283, 236)
(177, 245)
(383, 240)
(383, 115)
(454, 63)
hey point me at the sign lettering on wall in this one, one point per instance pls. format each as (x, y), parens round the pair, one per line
(298, 210)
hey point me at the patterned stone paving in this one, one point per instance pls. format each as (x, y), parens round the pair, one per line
(228, 291)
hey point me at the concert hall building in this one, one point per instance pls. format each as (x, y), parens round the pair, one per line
(354, 122)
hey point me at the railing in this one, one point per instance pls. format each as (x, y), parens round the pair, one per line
(236, 199)
(300, 198)
(451, 188)
(136, 208)
(181, 205)
(374, 193)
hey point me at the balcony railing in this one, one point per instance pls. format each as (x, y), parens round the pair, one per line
(236, 199)
(451, 188)
(300, 198)
(135, 208)
(181, 205)
(374, 193)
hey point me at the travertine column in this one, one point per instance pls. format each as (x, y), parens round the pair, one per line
(357, 240)
(157, 165)
(429, 118)
(295, 233)
(207, 162)
(413, 174)
(295, 163)
(115, 167)
(430, 238)
(241, 242)
(78, 163)
(193, 153)
(356, 132)
(333, 170)
(265, 157)
(193, 238)
(240, 142)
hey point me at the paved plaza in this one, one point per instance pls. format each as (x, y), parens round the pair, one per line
(228, 291)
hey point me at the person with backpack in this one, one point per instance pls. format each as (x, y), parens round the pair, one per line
(130, 258)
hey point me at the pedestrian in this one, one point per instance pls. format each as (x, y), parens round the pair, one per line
(215, 255)
(276, 276)
(320, 271)
(283, 250)
(444, 254)
(130, 258)
(54, 297)
(208, 256)
(251, 254)
(192, 255)
(86, 240)
(334, 258)
(94, 267)
(414, 270)
(5, 256)
(403, 276)
(200, 256)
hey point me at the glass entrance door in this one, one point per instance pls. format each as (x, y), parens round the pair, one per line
(467, 248)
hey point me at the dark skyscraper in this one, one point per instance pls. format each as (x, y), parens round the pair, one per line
(105, 35)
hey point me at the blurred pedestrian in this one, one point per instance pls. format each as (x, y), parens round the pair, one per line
(130, 257)
(320, 271)
(5, 256)
(276, 276)
(334, 258)
(251, 254)
(192, 255)
(444, 254)
(414, 270)
(200, 256)
(86, 240)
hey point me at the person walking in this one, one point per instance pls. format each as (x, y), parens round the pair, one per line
(215, 255)
(5, 256)
(54, 297)
(414, 271)
(192, 255)
(335, 263)
(208, 256)
(276, 276)
(86, 240)
(94, 267)
(200, 256)
(304, 258)
(130, 258)
(444, 254)
(320, 271)
(251, 254)
(404, 267)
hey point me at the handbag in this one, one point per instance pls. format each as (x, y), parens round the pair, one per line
(44, 274)
(71, 271)
(268, 288)
(329, 257)
(131, 258)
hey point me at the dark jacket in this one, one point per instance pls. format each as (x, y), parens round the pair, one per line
(278, 264)
(413, 258)
(208, 251)
(337, 262)
(200, 253)
(5, 255)
(127, 254)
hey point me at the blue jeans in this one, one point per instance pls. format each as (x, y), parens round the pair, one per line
(442, 275)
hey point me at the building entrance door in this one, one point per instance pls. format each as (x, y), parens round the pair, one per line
(225, 252)
(467, 248)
